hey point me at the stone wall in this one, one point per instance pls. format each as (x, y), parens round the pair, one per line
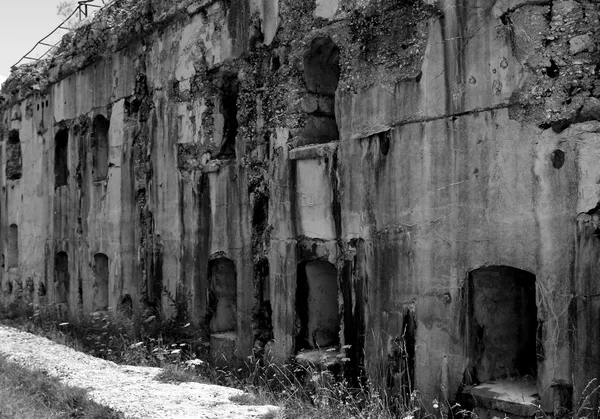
(404, 144)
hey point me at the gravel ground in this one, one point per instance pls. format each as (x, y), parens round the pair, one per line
(128, 389)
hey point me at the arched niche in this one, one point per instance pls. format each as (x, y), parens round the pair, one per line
(222, 301)
(322, 66)
(100, 148)
(321, 75)
(101, 280)
(317, 305)
(61, 158)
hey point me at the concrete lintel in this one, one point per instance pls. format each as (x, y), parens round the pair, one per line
(313, 151)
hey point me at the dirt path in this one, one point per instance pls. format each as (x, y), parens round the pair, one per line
(130, 390)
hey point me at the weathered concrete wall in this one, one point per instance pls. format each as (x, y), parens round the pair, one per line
(465, 136)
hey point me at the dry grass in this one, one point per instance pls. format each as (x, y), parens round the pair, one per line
(302, 392)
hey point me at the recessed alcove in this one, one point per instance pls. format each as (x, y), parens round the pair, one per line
(100, 148)
(317, 305)
(318, 130)
(557, 157)
(14, 158)
(13, 246)
(221, 313)
(62, 281)
(222, 300)
(100, 298)
(226, 124)
(502, 331)
(61, 158)
(125, 306)
(322, 66)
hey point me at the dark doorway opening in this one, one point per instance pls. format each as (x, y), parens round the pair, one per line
(100, 149)
(502, 324)
(322, 66)
(317, 305)
(100, 282)
(222, 296)
(125, 306)
(14, 158)
(61, 158)
(227, 108)
(502, 333)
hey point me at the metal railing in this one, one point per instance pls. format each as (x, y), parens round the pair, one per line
(81, 11)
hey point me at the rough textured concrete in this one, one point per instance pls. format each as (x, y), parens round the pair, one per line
(408, 144)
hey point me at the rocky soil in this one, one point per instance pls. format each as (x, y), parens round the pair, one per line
(130, 390)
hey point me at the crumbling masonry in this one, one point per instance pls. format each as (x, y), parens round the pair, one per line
(413, 183)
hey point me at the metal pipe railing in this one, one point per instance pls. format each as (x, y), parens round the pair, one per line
(83, 12)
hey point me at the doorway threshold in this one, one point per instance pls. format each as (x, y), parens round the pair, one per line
(516, 398)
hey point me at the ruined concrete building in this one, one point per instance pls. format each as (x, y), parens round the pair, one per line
(414, 183)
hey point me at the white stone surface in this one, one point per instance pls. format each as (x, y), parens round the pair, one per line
(128, 389)
(326, 9)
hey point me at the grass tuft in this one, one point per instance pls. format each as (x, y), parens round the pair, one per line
(174, 374)
(246, 399)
